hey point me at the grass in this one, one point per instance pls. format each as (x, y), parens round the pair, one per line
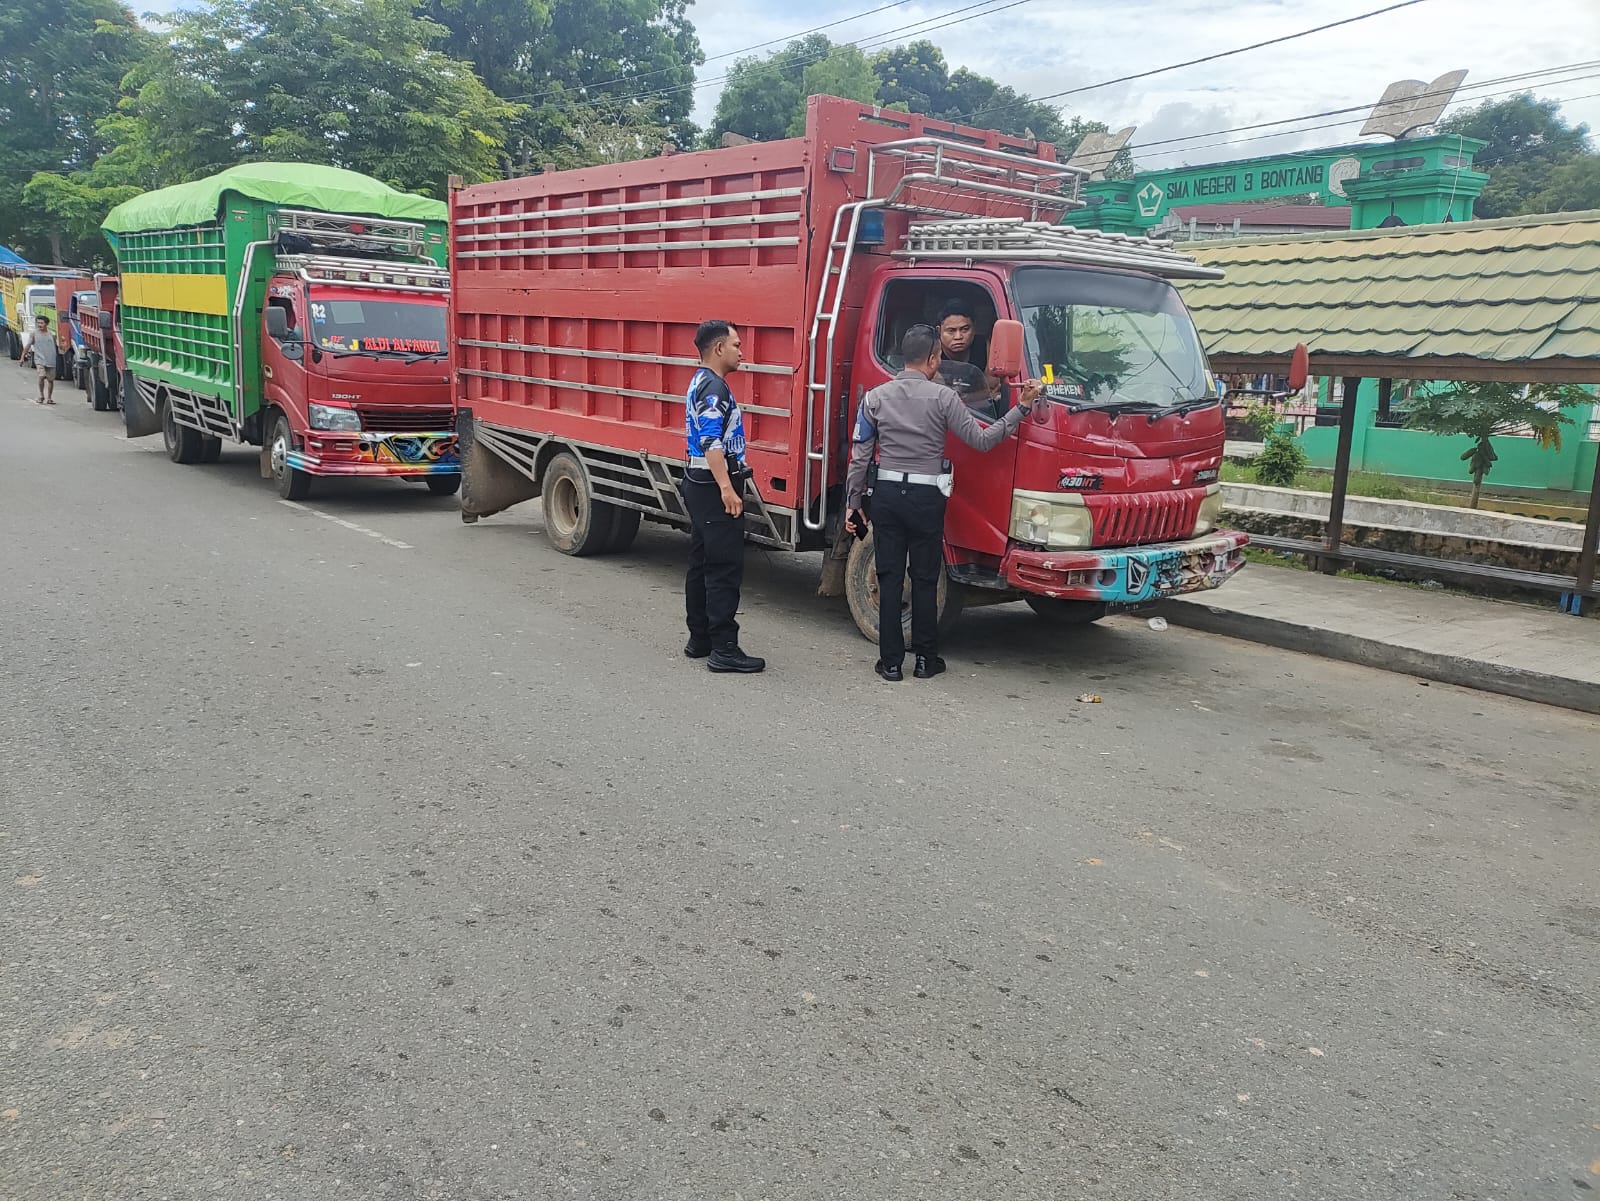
(1362, 483)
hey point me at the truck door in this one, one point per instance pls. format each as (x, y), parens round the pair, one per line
(979, 511)
(283, 361)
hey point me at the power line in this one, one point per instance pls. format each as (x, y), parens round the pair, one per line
(717, 57)
(1209, 58)
(914, 29)
(1351, 121)
(1361, 108)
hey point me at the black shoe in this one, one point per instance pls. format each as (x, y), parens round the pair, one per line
(892, 674)
(697, 648)
(735, 660)
(928, 666)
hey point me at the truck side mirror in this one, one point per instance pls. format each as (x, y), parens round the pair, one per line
(1006, 349)
(105, 322)
(277, 323)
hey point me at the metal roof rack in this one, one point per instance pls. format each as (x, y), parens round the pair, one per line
(1014, 239)
(407, 237)
(366, 273)
(939, 175)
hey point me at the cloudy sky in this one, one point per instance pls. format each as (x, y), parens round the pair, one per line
(1046, 46)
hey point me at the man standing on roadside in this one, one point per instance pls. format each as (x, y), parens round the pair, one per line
(41, 344)
(713, 494)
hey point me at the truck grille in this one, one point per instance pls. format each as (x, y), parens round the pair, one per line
(383, 420)
(1131, 518)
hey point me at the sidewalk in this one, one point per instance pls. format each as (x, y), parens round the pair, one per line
(1539, 655)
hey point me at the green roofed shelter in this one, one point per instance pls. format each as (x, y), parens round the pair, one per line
(1515, 299)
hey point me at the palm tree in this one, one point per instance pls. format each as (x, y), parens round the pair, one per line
(1482, 410)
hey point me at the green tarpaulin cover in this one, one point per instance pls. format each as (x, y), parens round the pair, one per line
(294, 185)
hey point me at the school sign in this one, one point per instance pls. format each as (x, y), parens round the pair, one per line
(1418, 180)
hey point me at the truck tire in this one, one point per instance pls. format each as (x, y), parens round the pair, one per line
(13, 346)
(100, 392)
(1066, 612)
(210, 449)
(443, 485)
(293, 484)
(861, 592)
(574, 521)
(624, 529)
(182, 443)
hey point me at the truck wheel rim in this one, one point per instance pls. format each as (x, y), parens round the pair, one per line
(564, 506)
(169, 428)
(280, 452)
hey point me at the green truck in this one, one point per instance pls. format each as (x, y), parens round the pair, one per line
(296, 308)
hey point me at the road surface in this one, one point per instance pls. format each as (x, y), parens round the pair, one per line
(351, 853)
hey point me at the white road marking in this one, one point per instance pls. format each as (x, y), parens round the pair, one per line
(349, 525)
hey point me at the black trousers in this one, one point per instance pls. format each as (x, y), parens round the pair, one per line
(716, 567)
(908, 526)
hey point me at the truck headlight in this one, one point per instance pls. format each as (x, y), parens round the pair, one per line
(331, 417)
(1053, 520)
(1210, 515)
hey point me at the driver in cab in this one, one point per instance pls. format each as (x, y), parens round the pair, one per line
(905, 424)
(958, 332)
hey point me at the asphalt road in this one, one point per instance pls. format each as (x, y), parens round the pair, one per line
(354, 853)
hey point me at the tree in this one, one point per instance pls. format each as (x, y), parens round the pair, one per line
(762, 95)
(70, 209)
(60, 72)
(1527, 141)
(845, 72)
(557, 58)
(350, 83)
(1574, 187)
(1483, 410)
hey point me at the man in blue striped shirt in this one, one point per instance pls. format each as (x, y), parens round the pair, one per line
(713, 494)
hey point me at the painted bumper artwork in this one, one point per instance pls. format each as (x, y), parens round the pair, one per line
(378, 454)
(1131, 576)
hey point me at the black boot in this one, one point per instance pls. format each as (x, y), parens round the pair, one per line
(697, 648)
(928, 666)
(735, 660)
(892, 674)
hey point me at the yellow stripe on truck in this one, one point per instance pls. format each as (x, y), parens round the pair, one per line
(181, 293)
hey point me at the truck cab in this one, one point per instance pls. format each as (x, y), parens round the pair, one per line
(1125, 451)
(356, 361)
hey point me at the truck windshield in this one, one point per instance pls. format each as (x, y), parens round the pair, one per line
(1100, 340)
(377, 325)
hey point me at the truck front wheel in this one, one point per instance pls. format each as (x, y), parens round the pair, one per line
(861, 591)
(574, 521)
(183, 444)
(293, 484)
(1066, 612)
(13, 346)
(443, 485)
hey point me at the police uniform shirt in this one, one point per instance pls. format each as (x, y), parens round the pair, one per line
(712, 420)
(908, 420)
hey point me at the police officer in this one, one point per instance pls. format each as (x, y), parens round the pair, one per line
(906, 421)
(713, 493)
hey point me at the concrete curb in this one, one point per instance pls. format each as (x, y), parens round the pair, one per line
(1565, 693)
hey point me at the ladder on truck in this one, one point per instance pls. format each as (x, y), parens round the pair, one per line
(926, 177)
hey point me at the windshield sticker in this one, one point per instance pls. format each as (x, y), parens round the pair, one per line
(1059, 388)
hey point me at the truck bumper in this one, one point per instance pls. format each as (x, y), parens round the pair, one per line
(369, 453)
(1130, 575)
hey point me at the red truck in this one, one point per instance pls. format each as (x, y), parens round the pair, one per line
(101, 366)
(575, 296)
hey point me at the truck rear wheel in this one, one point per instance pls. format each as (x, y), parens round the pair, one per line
(182, 443)
(13, 346)
(624, 529)
(100, 392)
(210, 449)
(1066, 612)
(861, 591)
(574, 521)
(443, 485)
